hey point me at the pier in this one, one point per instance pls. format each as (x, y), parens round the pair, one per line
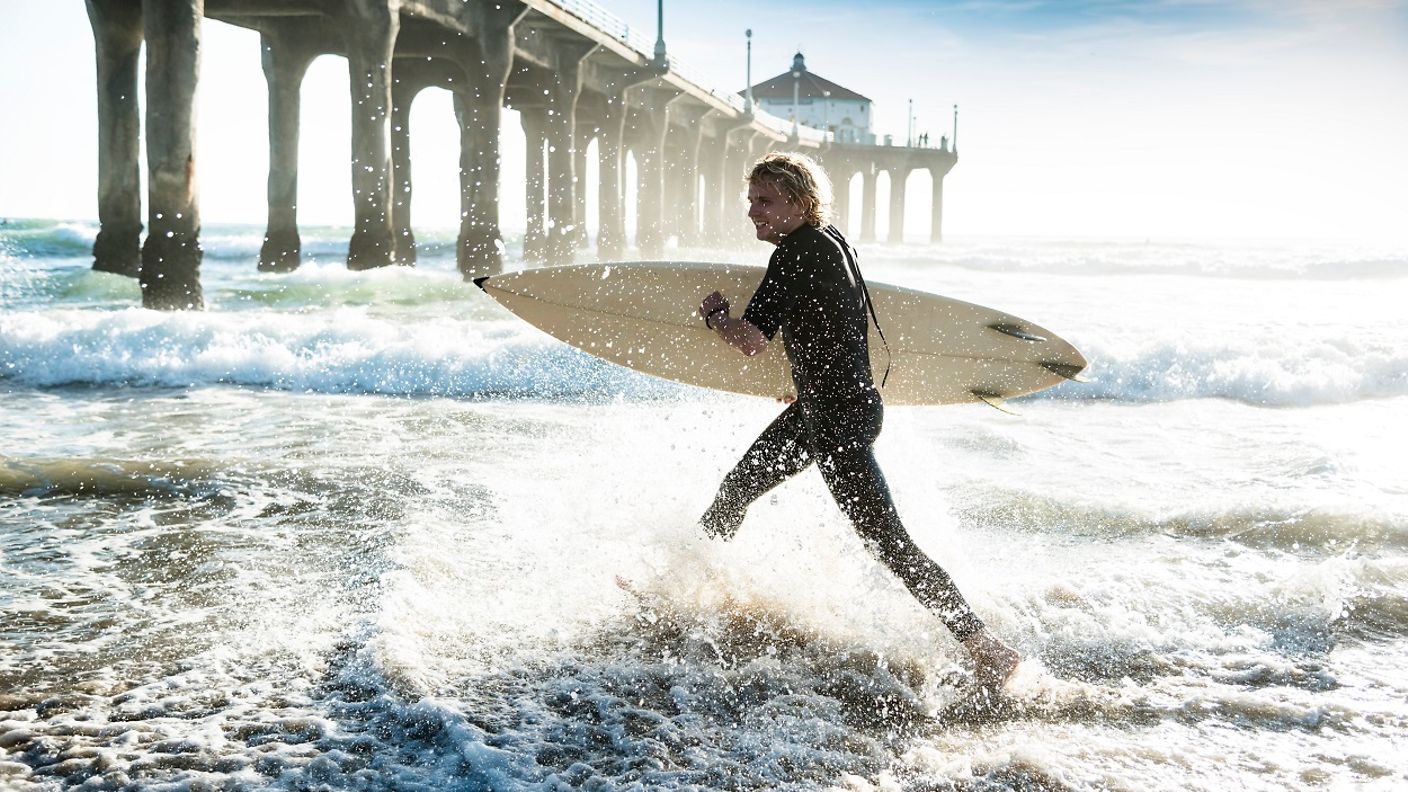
(573, 72)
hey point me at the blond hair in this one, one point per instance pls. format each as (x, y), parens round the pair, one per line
(800, 180)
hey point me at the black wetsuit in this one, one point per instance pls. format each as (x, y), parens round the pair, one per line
(814, 294)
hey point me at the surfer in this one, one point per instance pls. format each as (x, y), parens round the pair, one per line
(813, 292)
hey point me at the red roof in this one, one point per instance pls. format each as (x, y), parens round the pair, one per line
(809, 86)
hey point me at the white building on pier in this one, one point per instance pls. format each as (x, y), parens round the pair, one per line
(811, 100)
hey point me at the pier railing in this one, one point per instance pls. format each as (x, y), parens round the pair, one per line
(609, 23)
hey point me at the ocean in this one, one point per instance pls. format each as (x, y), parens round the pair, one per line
(362, 531)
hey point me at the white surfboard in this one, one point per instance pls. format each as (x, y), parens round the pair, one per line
(644, 315)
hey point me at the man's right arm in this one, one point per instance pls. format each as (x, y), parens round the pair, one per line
(739, 333)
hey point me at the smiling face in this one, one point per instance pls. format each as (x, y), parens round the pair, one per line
(772, 215)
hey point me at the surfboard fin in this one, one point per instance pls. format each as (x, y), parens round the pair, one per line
(1016, 331)
(995, 401)
(1072, 373)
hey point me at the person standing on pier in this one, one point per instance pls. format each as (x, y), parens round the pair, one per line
(813, 292)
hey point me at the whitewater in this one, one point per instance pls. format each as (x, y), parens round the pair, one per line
(362, 531)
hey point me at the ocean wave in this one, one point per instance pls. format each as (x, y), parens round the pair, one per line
(1253, 260)
(392, 331)
(347, 351)
(1092, 258)
(47, 238)
(465, 349)
(1305, 531)
(331, 283)
(1270, 371)
(31, 238)
(103, 478)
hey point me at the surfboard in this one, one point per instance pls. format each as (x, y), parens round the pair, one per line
(644, 316)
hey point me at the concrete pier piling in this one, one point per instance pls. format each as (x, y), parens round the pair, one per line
(569, 70)
(650, 164)
(370, 28)
(171, 254)
(285, 53)
(686, 133)
(403, 91)
(534, 122)
(412, 75)
(611, 221)
(867, 192)
(612, 85)
(898, 178)
(117, 38)
(560, 130)
(487, 62)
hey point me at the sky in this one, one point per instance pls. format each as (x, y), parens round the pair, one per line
(1166, 119)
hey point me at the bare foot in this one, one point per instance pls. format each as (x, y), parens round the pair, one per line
(721, 522)
(994, 662)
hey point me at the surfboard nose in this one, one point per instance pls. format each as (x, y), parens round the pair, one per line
(479, 281)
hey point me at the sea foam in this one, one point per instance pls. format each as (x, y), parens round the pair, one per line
(355, 350)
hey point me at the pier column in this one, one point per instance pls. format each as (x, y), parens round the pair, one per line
(867, 211)
(285, 59)
(560, 131)
(723, 207)
(611, 220)
(689, 129)
(403, 93)
(480, 248)
(726, 181)
(761, 145)
(898, 178)
(711, 168)
(534, 121)
(650, 185)
(117, 36)
(413, 75)
(682, 188)
(734, 229)
(650, 196)
(936, 218)
(370, 29)
(611, 158)
(841, 198)
(585, 134)
(687, 185)
(171, 255)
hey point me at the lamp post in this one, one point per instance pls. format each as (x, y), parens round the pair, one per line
(748, 97)
(826, 115)
(909, 132)
(660, 33)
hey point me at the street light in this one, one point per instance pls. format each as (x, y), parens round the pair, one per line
(660, 32)
(826, 114)
(748, 98)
